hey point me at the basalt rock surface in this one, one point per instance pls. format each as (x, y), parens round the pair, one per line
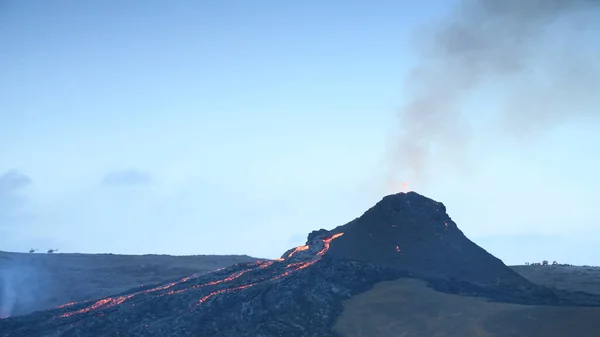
(415, 234)
(301, 294)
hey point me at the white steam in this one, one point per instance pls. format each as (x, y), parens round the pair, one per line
(8, 294)
(21, 287)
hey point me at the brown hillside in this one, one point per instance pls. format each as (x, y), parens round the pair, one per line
(407, 307)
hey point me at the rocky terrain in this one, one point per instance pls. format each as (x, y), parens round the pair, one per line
(32, 282)
(307, 291)
(575, 278)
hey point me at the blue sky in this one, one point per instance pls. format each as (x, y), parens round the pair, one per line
(217, 127)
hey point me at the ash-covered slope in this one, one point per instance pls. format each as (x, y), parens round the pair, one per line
(414, 233)
(301, 294)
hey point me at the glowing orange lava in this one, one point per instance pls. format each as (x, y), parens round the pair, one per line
(294, 264)
(298, 249)
(66, 305)
(261, 264)
(111, 302)
(103, 303)
(327, 243)
(292, 267)
(266, 264)
(205, 298)
(227, 279)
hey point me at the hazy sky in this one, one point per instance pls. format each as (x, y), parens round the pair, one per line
(217, 127)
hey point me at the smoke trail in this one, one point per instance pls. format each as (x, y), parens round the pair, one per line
(531, 49)
(8, 293)
(23, 286)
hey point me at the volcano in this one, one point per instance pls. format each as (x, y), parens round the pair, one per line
(414, 233)
(404, 236)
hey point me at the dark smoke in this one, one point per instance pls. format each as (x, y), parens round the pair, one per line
(534, 51)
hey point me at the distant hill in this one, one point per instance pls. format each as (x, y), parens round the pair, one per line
(576, 278)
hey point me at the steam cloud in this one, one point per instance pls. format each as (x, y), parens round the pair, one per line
(535, 54)
(22, 284)
(9, 295)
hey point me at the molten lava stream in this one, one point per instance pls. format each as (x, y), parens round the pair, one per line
(297, 249)
(212, 283)
(293, 267)
(205, 298)
(103, 303)
(266, 264)
(327, 243)
(111, 302)
(70, 304)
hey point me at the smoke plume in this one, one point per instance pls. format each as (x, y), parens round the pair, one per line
(21, 286)
(535, 55)
(8, 297)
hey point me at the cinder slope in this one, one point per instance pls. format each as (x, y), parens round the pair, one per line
(411, 232)
(407, 308)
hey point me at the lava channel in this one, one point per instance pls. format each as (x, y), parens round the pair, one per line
(292, 267)
(261, 264)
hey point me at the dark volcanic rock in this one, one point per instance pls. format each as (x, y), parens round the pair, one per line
(414, 233)
(301, 294)
(268, 298)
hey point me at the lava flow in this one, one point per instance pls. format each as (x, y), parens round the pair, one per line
(227, 279)
(103, 303)
(114, 301)
(292, 267)
(327, 243)
(298, 249)
(70, 304)
(261, 264)
(205, 298)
